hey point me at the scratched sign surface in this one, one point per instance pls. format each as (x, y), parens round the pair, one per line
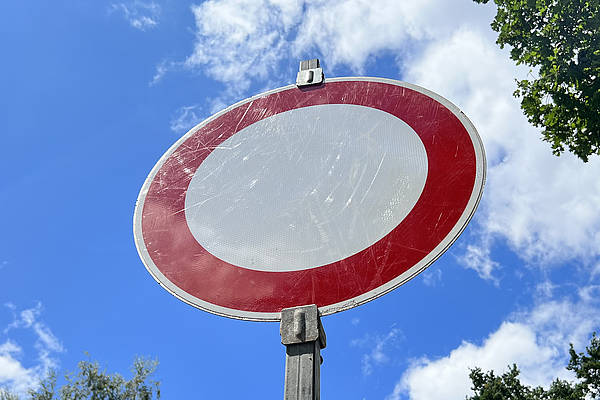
(330, 195)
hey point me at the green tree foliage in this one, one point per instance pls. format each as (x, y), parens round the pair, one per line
(561, 38)
(488, 386)
(91, 383)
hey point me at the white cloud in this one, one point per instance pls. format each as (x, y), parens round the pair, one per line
(379, 347)
(537, 341)
(241, 40)
(142, 15)
(161, 69)
(432, 276)
(14, 374)
(478, 258)
(548, 214)
(186, 118)
(590, 293)
(333, 27)
(545, 289)
(238, 41)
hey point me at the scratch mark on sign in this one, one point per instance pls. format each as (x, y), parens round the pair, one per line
(374, 177)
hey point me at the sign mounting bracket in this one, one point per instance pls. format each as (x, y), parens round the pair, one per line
(310, 73)
(303, 336)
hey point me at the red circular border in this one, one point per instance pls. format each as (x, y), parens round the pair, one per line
(448, 188)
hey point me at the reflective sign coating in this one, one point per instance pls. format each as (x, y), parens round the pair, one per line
(329, 195)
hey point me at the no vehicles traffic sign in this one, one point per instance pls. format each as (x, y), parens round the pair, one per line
(330, 195)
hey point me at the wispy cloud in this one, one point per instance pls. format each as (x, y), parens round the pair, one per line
(545, 289)
(14, 374)
(432, 276)
(590, 293)
(478, 258)
(161, 70)
(186, 117)
(379, 346)
(238, 41)
(142, 15)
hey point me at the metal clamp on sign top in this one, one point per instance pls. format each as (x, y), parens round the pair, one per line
(310, 73)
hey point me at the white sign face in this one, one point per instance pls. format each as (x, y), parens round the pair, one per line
(306, 187)
(330, 195)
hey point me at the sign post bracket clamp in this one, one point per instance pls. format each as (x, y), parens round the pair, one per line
(303, 336)
(310, 73)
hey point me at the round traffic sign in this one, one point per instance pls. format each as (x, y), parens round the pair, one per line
(330, 195)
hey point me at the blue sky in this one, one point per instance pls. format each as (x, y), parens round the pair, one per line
(93, 93)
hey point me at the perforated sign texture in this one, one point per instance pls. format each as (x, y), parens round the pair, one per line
(330, 195)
